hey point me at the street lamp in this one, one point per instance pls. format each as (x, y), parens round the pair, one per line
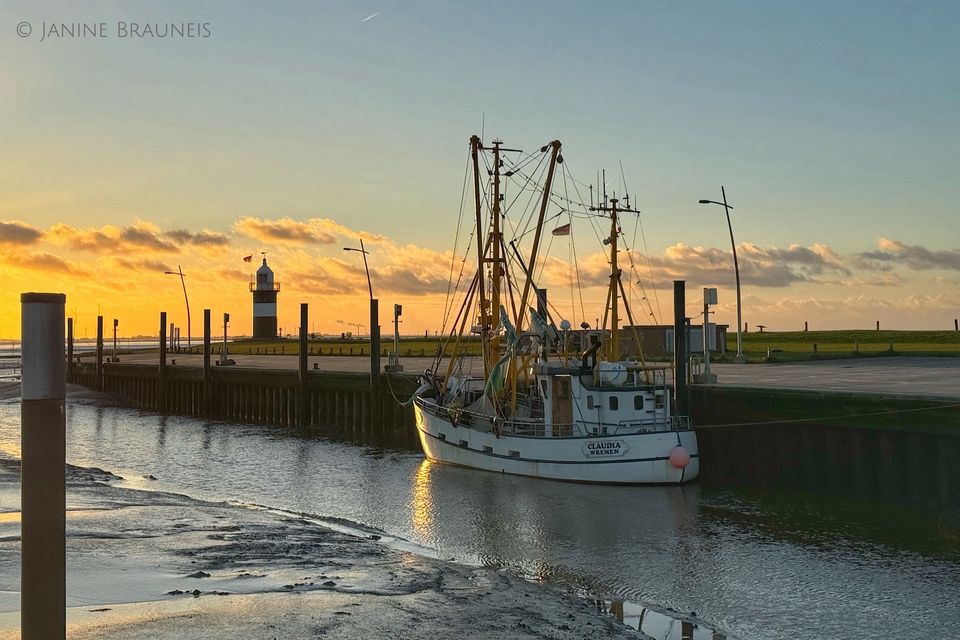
(179, 272)
(374, 337)
(736, 271)
(365, 267)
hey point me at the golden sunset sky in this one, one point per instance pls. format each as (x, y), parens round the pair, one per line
(296, 128)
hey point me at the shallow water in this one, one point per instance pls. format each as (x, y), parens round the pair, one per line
(772, 564)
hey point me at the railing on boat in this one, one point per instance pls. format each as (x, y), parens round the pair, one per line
(536, 428)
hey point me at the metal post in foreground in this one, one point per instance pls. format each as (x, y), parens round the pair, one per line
(43, 451)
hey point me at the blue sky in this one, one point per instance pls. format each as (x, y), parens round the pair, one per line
(829, 123)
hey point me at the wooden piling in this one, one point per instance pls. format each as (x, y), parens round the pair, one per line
(99, 367)
(302, 368)
(207, 388)
(162, 379)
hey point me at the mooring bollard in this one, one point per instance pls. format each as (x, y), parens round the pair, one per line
(43, 457)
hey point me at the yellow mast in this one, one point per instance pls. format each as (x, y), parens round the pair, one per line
(614, 353)
(496, 242)
(616, 287)
(475, 146)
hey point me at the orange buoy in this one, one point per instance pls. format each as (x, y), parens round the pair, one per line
(679, 458)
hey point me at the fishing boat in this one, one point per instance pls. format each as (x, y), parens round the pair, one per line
(542, 399)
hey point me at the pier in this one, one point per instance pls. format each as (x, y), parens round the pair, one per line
(887, 427)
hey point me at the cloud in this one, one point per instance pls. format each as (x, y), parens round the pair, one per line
(282, 230)
(138, 237)
(143, 265)
(16, 232)
(43, 261)
(203, 238)
(409, 282)
(330, 276)
(301, 232)
(894, 252)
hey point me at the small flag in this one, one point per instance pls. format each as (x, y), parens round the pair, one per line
(248, 258)
(563, 230)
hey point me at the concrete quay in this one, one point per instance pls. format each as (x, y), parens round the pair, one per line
(932, 377)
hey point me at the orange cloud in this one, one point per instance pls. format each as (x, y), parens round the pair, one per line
(46, 262)
(138, 237)
(282, 230)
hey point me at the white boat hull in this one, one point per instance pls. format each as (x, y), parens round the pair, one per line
(636, 458)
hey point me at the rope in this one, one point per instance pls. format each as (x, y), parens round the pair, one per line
(408, 401)
(840, 417)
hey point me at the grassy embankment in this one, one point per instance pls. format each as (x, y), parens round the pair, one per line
(788, 346)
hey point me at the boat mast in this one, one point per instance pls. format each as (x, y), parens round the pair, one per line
(521, 310)
(616, 287)
(496, 242)
(475, 146)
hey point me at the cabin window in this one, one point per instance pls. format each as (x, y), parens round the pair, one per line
(514, 454)
(487, 448)
(543, 388)
(563, 389)
(614, 403)
(464, 444)
(638, 402)
(442, 436)
(659, 401)
(589, 402)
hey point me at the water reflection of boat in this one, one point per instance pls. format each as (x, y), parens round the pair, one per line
(659, 624)
(540, 529)
(580, 537)
(549, 402)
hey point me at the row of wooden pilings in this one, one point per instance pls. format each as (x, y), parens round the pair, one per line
(258, 397)
(355, 402)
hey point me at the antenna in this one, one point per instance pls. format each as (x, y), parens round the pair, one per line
(483, 124)
(623, 179)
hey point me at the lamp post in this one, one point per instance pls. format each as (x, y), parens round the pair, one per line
(736, 271)
(365, 267)
(179, 272)
(374, 338)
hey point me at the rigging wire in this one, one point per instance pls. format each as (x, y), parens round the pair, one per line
(448, 302)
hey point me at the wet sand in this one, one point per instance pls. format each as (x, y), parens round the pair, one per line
(146, 564)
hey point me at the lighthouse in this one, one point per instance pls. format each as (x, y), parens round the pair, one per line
(264, 291)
